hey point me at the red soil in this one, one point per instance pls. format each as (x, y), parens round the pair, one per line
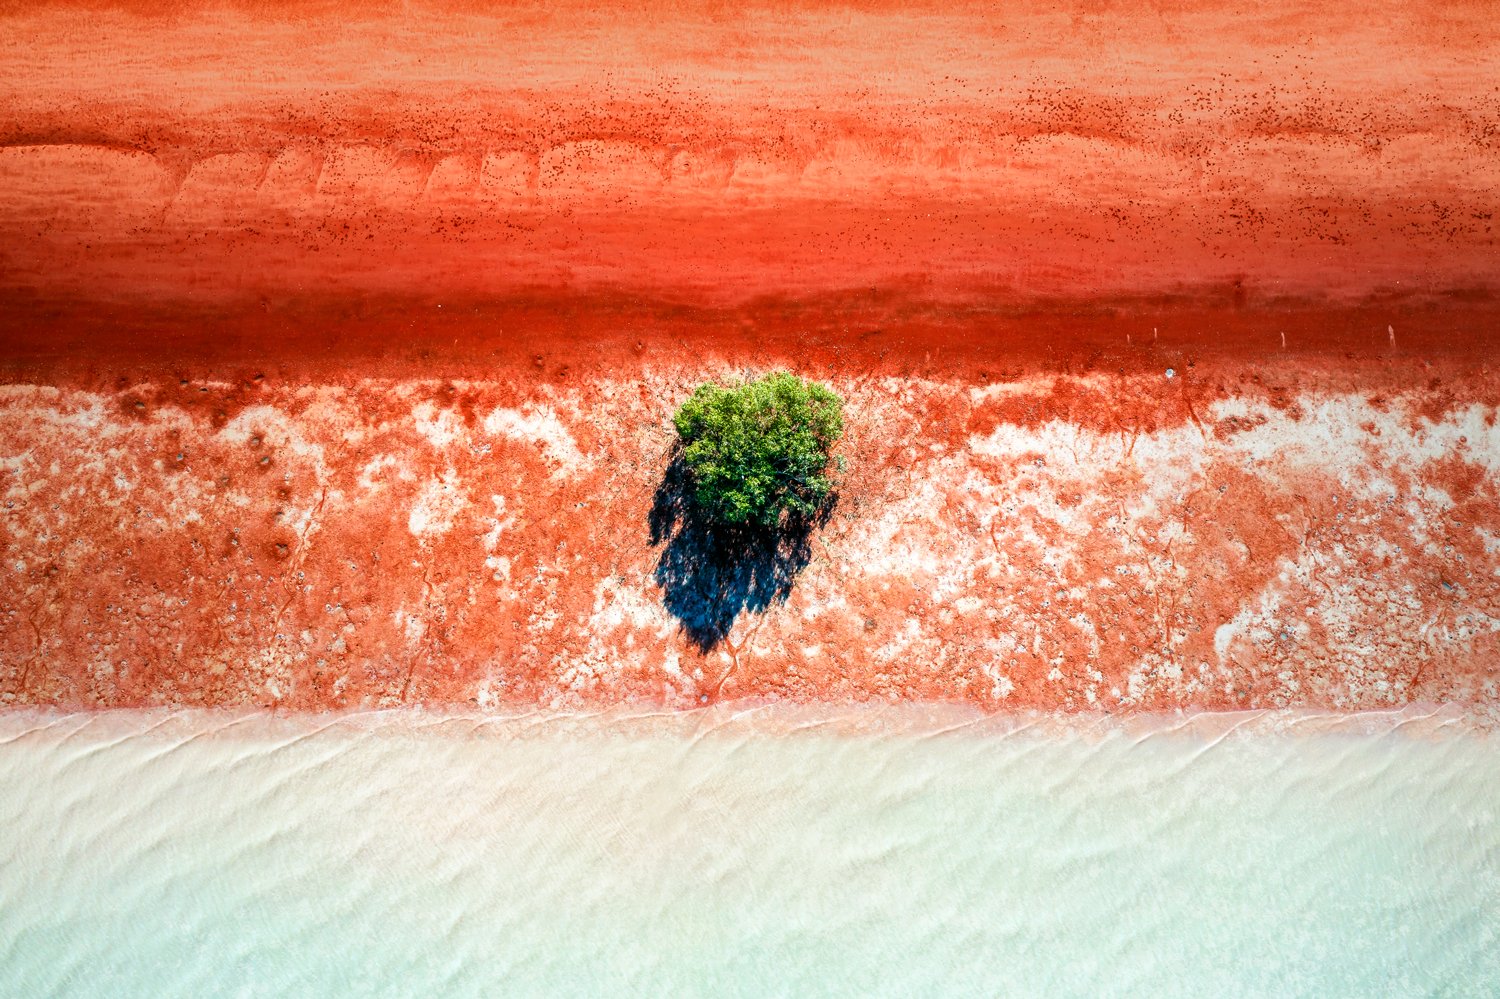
(1035, 515)
(339, 345)
(708, 153)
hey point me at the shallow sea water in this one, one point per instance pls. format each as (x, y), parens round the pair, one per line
(763, 853)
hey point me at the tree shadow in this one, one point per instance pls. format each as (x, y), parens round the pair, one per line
(710, 573)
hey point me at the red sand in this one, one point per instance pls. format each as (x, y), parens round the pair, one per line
(341, 343)
(162, 151)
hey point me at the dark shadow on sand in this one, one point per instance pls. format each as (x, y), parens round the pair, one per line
(709, 573)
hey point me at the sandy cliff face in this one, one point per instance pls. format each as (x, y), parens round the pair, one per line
(339, 345)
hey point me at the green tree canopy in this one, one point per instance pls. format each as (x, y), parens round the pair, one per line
(758, 451)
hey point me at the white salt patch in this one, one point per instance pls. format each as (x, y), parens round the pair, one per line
(539, 424)
(277, 431)
(1000, 390)
(436, 506)
(488, 694)
(412, 626)
(499, 523)
(440, 427)
(1225, 634)
(901, 643)
(616, 605)
(499, 567)
(29, 395)
(372, 476)
(1236, 407)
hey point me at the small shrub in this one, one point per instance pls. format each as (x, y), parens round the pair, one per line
(760, 451)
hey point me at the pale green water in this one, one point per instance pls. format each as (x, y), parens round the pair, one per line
(183, 856)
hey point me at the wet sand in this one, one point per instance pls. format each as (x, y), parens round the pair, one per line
(193, 853)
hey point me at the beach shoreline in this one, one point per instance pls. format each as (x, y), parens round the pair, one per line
(740, 721)
(199, 853)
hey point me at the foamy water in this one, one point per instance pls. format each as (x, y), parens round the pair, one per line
(766, 853)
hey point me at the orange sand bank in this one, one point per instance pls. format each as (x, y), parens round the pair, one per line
(1019, 527)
